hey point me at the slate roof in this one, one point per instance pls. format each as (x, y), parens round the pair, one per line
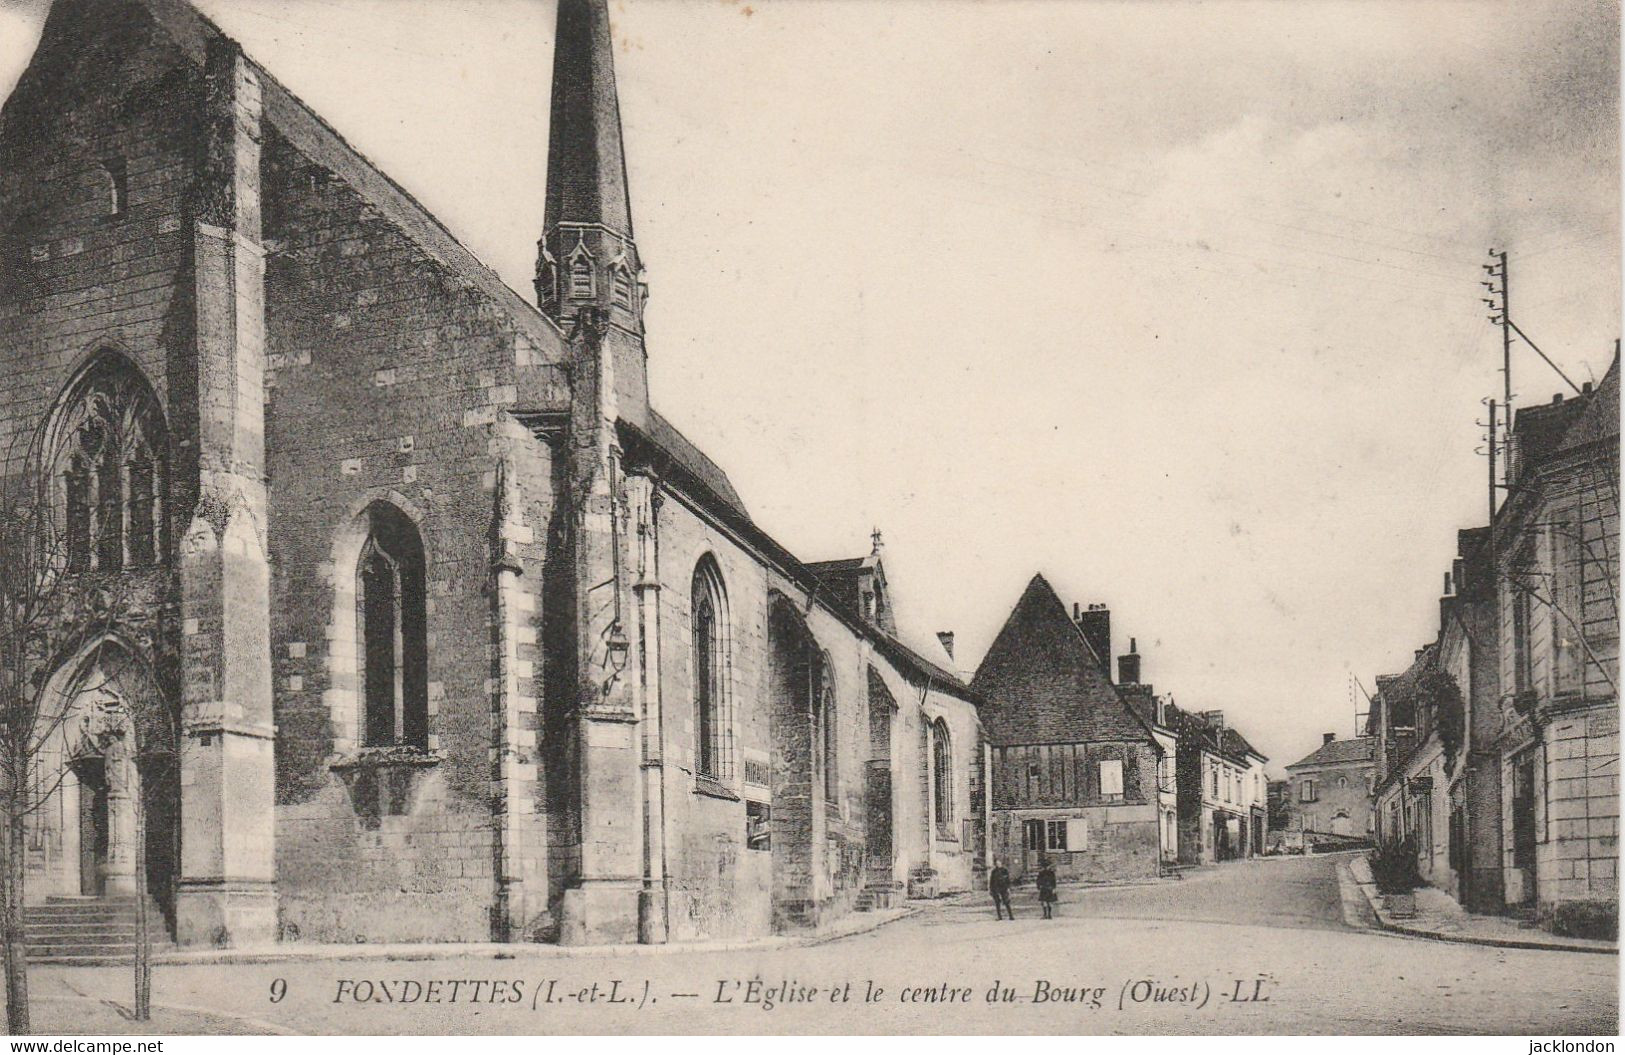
(1043, 683)
(1340, 752)
(1232, 742)
(1600, 418)
(842, 577)
(665, 436)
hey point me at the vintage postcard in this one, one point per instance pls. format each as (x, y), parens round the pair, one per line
(784, 517)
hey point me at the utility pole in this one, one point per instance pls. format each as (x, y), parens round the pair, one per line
(1497, 269)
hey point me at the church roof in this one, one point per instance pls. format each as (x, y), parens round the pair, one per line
(285, 112)
(664, 435)
(1044, 684)
(194, 34)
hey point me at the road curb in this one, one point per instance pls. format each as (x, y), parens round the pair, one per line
(1386, 923)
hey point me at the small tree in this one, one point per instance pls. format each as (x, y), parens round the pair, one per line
(1393, 866)
(47, 612)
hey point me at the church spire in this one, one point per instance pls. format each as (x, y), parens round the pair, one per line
(586, 258)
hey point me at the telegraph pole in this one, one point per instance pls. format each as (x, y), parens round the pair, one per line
(1499, 314)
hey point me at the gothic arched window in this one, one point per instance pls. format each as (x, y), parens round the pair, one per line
(942, 775)
(712, 720)
(107, 449)
(391, 613)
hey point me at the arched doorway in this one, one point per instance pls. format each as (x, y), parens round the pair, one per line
(1341, 825)
(111, 754)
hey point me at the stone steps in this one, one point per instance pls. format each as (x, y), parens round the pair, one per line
(89, 929)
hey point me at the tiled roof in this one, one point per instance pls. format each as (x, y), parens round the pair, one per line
(1043, 684)
(1340, 752)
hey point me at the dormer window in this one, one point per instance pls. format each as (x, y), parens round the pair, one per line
(622, 291)
(583, 285)
(547, 279)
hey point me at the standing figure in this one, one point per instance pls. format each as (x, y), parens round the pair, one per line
(1046, 887)
(998, 884)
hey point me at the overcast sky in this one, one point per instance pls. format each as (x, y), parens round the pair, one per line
(1176, 303)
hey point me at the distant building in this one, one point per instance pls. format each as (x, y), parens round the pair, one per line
(1328, 792)
(1153, 709)
(1278, 811)
(1222, 789)
(1074, 765)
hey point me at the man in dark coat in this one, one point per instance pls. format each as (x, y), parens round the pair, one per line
(998, 884)
(1046, 887)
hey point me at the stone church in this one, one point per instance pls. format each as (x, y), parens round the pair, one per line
(461, 639)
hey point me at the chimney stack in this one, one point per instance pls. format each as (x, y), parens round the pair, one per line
(1214, 718)
(1128, 665)
(947, 639)
(1327, 738)
(1096, 625)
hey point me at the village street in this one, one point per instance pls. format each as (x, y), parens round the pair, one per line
(1264, 941)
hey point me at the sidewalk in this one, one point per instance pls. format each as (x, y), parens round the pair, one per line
(1440, 918)
(857, 923)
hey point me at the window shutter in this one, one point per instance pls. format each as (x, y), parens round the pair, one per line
(1111, 777)
(1077, 834)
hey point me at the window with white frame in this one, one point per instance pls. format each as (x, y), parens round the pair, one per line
(1111, 778)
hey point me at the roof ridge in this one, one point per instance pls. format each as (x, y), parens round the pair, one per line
(192, 31)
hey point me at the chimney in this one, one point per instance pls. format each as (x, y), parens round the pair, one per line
(1096, 625)
(947, 639)
(1128, 665)
(1214, 718)
(1326, 738)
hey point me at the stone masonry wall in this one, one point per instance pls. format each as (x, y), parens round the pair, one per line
(79, 277)
(387, 375)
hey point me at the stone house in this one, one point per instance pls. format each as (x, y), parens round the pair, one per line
(461, 638)
(1074, 766)
(1496, 748)
(1556, 564)
(1222, 790)
(1412, 797)
(1328, 792)
(1153, 710)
